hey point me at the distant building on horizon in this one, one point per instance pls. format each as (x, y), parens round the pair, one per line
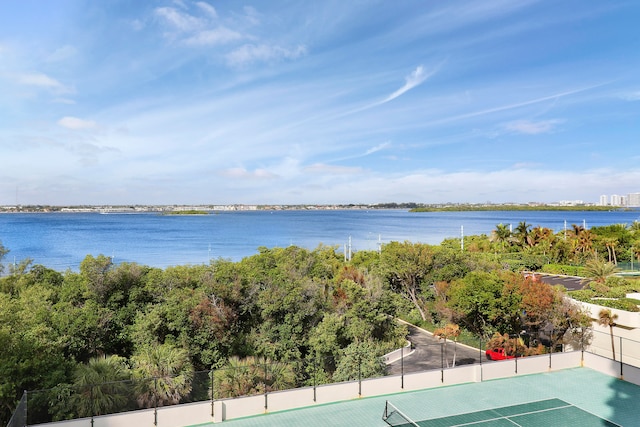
(633, 200)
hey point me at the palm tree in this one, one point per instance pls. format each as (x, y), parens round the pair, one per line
(451, 330)
(522, 233)
(248, 376)
(501, 235)
(635, 250)
(102, 386)
(166, 375)
(610, 243)
(606, 318)
(582, 240)
(597, 270)
(541, 238)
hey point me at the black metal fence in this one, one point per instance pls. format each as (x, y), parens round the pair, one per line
(68, 401)
(239, 378)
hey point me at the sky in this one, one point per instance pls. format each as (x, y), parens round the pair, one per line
(318, 102)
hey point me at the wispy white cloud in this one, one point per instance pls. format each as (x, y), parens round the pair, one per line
(179, 20)
(632, 95)
(220, 35)
(137, 24)
(250, 53)
(207, 8)
(417, 77)
(62, 54)
(323, 168)
(198, 28)
(516, 105)
(377, 148)
(242, 173)
(75, 123)
(40, 80)
(66, 101)
(251, 15)
(532, 127)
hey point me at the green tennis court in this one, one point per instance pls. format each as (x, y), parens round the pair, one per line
(555, 412)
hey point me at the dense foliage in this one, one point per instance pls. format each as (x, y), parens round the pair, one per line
(105, 323)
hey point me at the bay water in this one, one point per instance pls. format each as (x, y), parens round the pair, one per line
(62, 240)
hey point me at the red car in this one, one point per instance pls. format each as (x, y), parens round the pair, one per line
(497, 354)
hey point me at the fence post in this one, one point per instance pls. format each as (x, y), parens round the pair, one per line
(551, 345)
(441, 363)
(581, 346)
(402, 367)
(621, 373)
(91, 400)
(155, 402)
(359, 375)
(480, 354)
(266, 404)
(211, 372)
(315, 371)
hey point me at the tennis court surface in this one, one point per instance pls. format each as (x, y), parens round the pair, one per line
(580, 397)
(549, 412)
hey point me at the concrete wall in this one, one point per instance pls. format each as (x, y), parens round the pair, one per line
(615, 369)
(628, 319)
(397, 354)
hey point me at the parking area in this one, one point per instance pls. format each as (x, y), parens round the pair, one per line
(570, 283)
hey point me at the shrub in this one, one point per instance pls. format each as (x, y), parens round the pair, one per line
(568, 270)
(584, 295)
(626, 304)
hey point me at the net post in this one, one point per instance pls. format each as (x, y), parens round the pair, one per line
(395, 417)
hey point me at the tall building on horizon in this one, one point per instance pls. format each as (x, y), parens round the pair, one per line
(615, 200)
(633, 200)
(603, 200)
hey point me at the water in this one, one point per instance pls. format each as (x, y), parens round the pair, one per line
(62, 240)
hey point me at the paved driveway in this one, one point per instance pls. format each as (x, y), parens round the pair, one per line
(571, 283)
(429, 353)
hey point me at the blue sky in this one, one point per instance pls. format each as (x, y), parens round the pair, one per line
(189, 102)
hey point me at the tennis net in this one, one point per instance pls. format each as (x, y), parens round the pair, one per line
(395, 418)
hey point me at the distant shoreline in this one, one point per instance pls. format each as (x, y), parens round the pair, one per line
(525, 208)
(206, 209)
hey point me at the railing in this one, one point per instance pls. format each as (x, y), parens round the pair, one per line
(214, 395)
